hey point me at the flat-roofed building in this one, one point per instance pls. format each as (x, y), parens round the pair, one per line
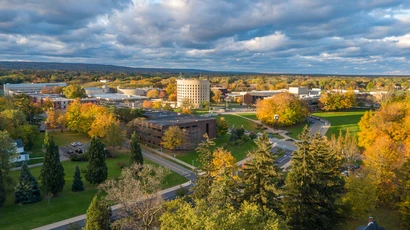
(152, 129)
(10, 89)
(195, 90)
(299, 90)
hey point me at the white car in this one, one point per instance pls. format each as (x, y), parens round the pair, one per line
(74, 144)
(79, 144)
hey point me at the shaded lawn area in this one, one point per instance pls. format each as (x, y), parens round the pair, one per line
(342, 120)
(238, 122)
(67, 204)
(296, 129)
(249, 115)
(385, 217)
(237, 151)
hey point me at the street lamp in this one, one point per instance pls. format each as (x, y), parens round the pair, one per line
(226, 102)
(276, 117)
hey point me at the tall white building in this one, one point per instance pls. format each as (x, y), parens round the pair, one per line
(196, 90)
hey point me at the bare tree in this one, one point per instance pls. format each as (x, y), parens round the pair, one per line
(137, 192)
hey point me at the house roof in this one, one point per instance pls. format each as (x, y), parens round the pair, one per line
(19, 143)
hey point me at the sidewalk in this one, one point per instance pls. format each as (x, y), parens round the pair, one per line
(168, 156)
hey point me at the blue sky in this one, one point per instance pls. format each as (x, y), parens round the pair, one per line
(274, 36)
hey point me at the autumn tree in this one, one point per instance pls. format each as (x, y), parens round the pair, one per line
(221, 126)
(55, 119)
(262, 179)
(346, 147)
(147, 104)
(97, 215)
(23, 103)
(74, 91)
(179, 214)
(157, 105)
(171, 89)
(80, 117)
(205, 179)
(96, 171)
(290, 110)
(139, 196)
(217, 95)
(173, 137)
(52, 173)
(153, 93)
(330, 101)
(172, 97)
(108, 128)
(46, 90)
(313, 185)
(135, 150)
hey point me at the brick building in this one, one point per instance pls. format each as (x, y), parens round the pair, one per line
(152, 129)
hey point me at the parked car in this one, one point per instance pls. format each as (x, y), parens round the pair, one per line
(70, 152)
(79, 144)
(289, 139)
(260, 134)
(74, 144)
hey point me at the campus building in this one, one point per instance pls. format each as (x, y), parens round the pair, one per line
(152, 129)
(10, 89)
(195, 90)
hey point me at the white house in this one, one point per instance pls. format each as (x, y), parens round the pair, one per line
(22, 155)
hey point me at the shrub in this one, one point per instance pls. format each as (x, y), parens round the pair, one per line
(253, 136)
(122, 164)
(78, 157)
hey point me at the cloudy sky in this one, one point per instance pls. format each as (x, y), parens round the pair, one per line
(275, 36)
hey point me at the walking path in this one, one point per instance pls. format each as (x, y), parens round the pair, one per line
(168, 156)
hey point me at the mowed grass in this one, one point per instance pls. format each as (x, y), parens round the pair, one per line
(67, 204)
(249, 115)
(237, 151)
(342, 120)
(296, 129)
(385, 217)
(238, 122)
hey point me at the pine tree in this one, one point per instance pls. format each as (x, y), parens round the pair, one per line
(136, 153)
(78, 185)
(2, 191)
(97, 215)
(96, 172)
(203, 185)
(314, 185)
(27, 190)
(52, 172)
(262, 179)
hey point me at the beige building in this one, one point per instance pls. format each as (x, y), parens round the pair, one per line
(196, 90)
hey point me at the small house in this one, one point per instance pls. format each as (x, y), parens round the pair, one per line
(21, 154)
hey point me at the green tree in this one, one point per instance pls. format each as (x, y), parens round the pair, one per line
(74, 91)
(78, 185)
(205, 179)
(24, 104)
(7, 152)
(97, 215)
(262, 179)
(313, 185)
(173, 137)
(26, 190)
(96, 172)
(52, 172)
(135, 149)
(221, 126)
(2, 191)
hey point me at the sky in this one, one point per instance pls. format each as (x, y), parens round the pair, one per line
(270, 36)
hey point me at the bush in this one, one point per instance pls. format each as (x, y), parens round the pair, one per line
(245, 138)
(78, 157)
(253, 136)
(122, 164)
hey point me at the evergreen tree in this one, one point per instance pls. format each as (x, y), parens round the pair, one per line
(314, 185)
(97, 215)
(136, 153)
(52, 172)
(96, 172)
(261, 178)
(27, 190)
(2, 191)
(78, 185)
(203, 185)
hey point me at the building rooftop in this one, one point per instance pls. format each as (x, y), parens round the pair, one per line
(170, 118)
(19, 143)
(117, 97)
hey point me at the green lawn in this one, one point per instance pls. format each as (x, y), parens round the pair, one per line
(249, 115)
(385, 217)
(296, 129)
(239, 152)
(342, 120)
(66, 205)
(239, 122)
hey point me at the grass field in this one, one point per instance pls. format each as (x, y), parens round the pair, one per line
(249, 115)
(296, 129)
(67, 204)
(239, 122)
(239, 152)
(342, 120)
